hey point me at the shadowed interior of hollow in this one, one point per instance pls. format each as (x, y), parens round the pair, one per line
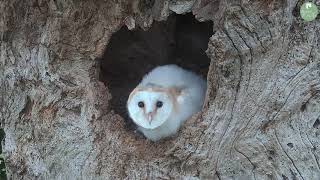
(180, 40)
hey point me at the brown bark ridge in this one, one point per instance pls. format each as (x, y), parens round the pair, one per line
(261, 119)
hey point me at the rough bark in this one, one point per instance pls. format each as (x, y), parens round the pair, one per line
(261, 118)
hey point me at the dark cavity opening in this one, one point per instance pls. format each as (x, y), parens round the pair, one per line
(180, 40)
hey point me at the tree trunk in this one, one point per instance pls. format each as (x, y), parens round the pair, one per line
(261, 118)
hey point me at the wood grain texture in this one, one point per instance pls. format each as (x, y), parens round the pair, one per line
(260, 119)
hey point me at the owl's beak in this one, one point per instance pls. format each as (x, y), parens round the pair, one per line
(149, 117)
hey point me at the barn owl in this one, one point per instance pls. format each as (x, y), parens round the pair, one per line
(165, 98)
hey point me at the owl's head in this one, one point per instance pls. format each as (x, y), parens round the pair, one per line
(150, 107)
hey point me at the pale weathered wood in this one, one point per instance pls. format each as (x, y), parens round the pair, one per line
(261, 119)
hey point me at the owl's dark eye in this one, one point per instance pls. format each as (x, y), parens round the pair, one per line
(159, 104)
(140, 104)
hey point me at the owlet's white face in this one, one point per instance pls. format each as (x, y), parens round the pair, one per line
(149, 109)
